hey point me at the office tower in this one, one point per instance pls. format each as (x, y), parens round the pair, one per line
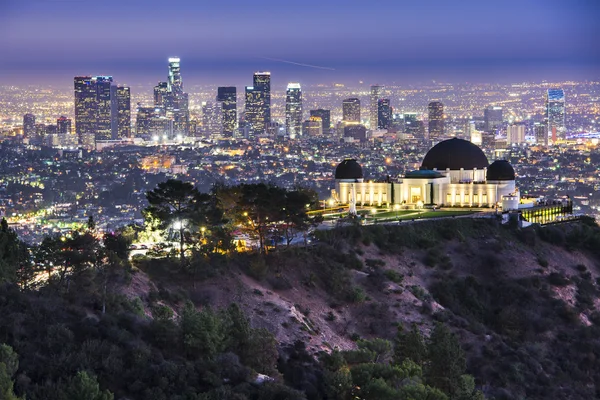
(28, 125)
(152, 124)
(325, 116)
(161, 94)
(85, 106)
(351, 110)
(293, 110)
(262, 83)
(384, 114)
(95, 107)
(492, 117)
(313, 127)
(253, 116)
(227, 97)
(555, 114)
(63, 125)
(65, 132)
(211, 120)
(541, 134)
(376, 93)
(171, 97)
(436, 120)
(106, 121)
(356, 131)
(515, 134)
(412, 125)
(123, 112)
(475, 135)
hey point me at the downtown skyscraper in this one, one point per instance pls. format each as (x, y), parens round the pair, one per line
(555, 114)
(173, 101)
(351, 110)
(376, 94)
(257, 115)
(325, 116)
(384, 114)
(227, 97)
(436, 120)
(293, 110)
(123, 112)
(95, 107)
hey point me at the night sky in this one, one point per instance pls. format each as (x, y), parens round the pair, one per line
(225, 41)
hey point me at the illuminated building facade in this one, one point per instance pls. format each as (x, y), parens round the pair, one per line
(227, 97)
(262, 84)
(384, 114)
(541, 134)
(376, 94)
(325, 116)
(212, 124)
(313, 127)
(436, 120)
(95, 107)
(151, 124)
(454, 173)
(515, 134)
(351, 110)
(123, 112)
(253, 113)
(28, 125)
(161, 94)
(355, 132)
(555, 114)
(293, 110)
(493, 117)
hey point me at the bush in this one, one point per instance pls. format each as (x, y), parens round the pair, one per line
(394, 276)
(558, 279)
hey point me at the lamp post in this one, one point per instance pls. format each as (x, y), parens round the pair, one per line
(397, 207)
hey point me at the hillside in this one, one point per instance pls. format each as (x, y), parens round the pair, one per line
(524, 304)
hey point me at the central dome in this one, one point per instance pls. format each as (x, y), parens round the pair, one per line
(455, 154)
(349, 169)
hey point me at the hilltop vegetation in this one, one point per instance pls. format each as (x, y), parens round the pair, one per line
(453, 309)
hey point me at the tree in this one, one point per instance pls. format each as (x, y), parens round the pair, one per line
(91, 224)
(410, 345)
(173, 203)
(446, 361)
(9, 364)
(85, 387)
(15, 262)
(296, 217)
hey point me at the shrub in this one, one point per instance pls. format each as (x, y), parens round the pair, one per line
(394, 276)
(558, 279)
(543, 262)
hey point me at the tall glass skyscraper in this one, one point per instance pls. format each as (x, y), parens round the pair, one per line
(493, 118)
(555, 114)
(436, 120)
(293, 110)
(262, 83)
(351, 110)
(253, 114)
(124, 112)
(95, 107)
(384, 113)
(376, 94)
(28, 125)
(325, 116)
(227, 97)
(175, 83)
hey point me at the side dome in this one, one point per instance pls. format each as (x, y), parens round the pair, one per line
(349, 169)
(455, 154)
(500, 170)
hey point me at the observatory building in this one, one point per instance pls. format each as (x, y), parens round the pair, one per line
(454, 173)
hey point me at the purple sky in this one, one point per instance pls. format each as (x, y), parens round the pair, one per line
(384, 41)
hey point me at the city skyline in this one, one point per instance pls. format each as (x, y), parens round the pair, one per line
(440, 41)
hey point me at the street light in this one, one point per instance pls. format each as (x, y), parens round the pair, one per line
(396, 207)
